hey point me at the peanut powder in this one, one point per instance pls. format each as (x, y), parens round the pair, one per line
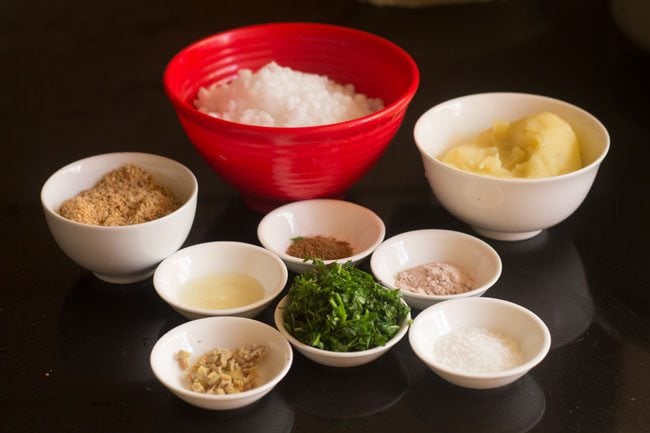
(435, 278)
(125, 196)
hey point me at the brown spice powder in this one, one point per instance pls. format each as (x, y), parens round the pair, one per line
(319, 247)
(125, 196)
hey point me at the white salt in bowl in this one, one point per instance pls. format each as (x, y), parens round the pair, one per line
(202, 335)
(336, 359)
(201, 260)
(344, 220)
(523, 326)
(410, 249)
(120, 254)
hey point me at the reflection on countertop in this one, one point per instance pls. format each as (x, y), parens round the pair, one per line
(271, 414)
(344, 392)
(515, 408)
(108, 330)
(546, 275)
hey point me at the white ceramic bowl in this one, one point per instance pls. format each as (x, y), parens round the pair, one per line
(202, 335)
(507, 318)
(121, 254)
(344, 220)
(336, 359)
(419, 247)
(208, 258)
(505, 209)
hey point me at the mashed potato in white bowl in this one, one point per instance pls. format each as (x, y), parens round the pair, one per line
(507, 208)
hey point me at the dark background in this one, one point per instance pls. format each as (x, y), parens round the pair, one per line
(84, 78)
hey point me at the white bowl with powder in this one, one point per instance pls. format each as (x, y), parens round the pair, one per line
(431, 265)
(341, 220)
(479, 343)
(120, 254)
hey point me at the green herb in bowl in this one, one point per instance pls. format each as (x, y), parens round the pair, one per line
(340, 308)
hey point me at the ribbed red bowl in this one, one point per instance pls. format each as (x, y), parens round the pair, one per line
(274, 165)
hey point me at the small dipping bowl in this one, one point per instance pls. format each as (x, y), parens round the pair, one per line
(214, 257)
(496, 315)
(336, 359)
(343, 220)
(200, 336)
(419, 247)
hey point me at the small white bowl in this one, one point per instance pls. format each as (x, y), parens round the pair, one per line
(507, 318)
(419, 247)
(211, 257)
(202, 335)
(119, 254)
(505, 209)
(336, 359)
(344, 220)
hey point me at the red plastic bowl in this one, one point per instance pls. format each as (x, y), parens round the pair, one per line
(271, 166)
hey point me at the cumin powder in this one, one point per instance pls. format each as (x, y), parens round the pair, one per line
(319, 247)
(127, 195)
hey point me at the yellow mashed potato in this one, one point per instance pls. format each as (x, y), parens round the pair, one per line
(540, 145)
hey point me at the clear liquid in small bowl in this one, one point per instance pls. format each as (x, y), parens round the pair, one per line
(221, 290)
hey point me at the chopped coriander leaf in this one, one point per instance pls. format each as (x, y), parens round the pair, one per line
(341, 308)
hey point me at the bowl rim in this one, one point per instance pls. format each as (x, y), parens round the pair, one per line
(518, 370)
(277, 318)
(214, 312)
(412, 71)
(470, 293)
(264, 388)
(506, 180)
(190, 201)
(372, 216)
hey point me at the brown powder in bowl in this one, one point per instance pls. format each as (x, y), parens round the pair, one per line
(319, 247)
(125, 196)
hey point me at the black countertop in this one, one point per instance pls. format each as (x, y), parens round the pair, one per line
(83, 78)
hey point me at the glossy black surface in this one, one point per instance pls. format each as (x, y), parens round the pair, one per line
(82, 78)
